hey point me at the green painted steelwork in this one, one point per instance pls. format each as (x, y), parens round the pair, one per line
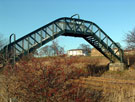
(67, 27)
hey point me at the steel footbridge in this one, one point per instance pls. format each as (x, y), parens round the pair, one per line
(65, 26)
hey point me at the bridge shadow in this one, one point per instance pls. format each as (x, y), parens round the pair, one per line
(97, 70)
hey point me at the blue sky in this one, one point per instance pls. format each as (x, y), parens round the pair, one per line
(115, 17)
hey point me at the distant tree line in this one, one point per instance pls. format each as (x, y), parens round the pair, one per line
(51, 50)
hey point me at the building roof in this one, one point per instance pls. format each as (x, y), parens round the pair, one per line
(75, 49)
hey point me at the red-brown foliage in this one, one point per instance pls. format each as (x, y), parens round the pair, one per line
(37, 81)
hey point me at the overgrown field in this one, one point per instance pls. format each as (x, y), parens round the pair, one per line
(63, 79)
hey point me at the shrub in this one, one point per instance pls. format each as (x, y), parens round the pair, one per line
(32, 81)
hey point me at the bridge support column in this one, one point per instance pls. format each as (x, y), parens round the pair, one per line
(117, 66)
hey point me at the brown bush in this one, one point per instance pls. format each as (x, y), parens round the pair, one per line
(34, 81)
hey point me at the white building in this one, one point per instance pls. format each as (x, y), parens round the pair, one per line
(76, 52)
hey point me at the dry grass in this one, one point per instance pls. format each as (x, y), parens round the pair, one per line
(128, 74)
(88, 76)
(3, 95)
(94, 66)
(28, 75)
(111, 90)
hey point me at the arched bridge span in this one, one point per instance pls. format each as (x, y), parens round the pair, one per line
(65, 26)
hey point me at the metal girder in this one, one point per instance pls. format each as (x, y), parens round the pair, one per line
(58, 26)
(69, 27)
(20, 47)
(46, 32)
(34, 40)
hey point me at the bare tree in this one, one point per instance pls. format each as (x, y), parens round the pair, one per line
(85, 47)
(45, 51)
(1, 41)
(52, 50)
(2, 44)
(130, 39)
(55, 47)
